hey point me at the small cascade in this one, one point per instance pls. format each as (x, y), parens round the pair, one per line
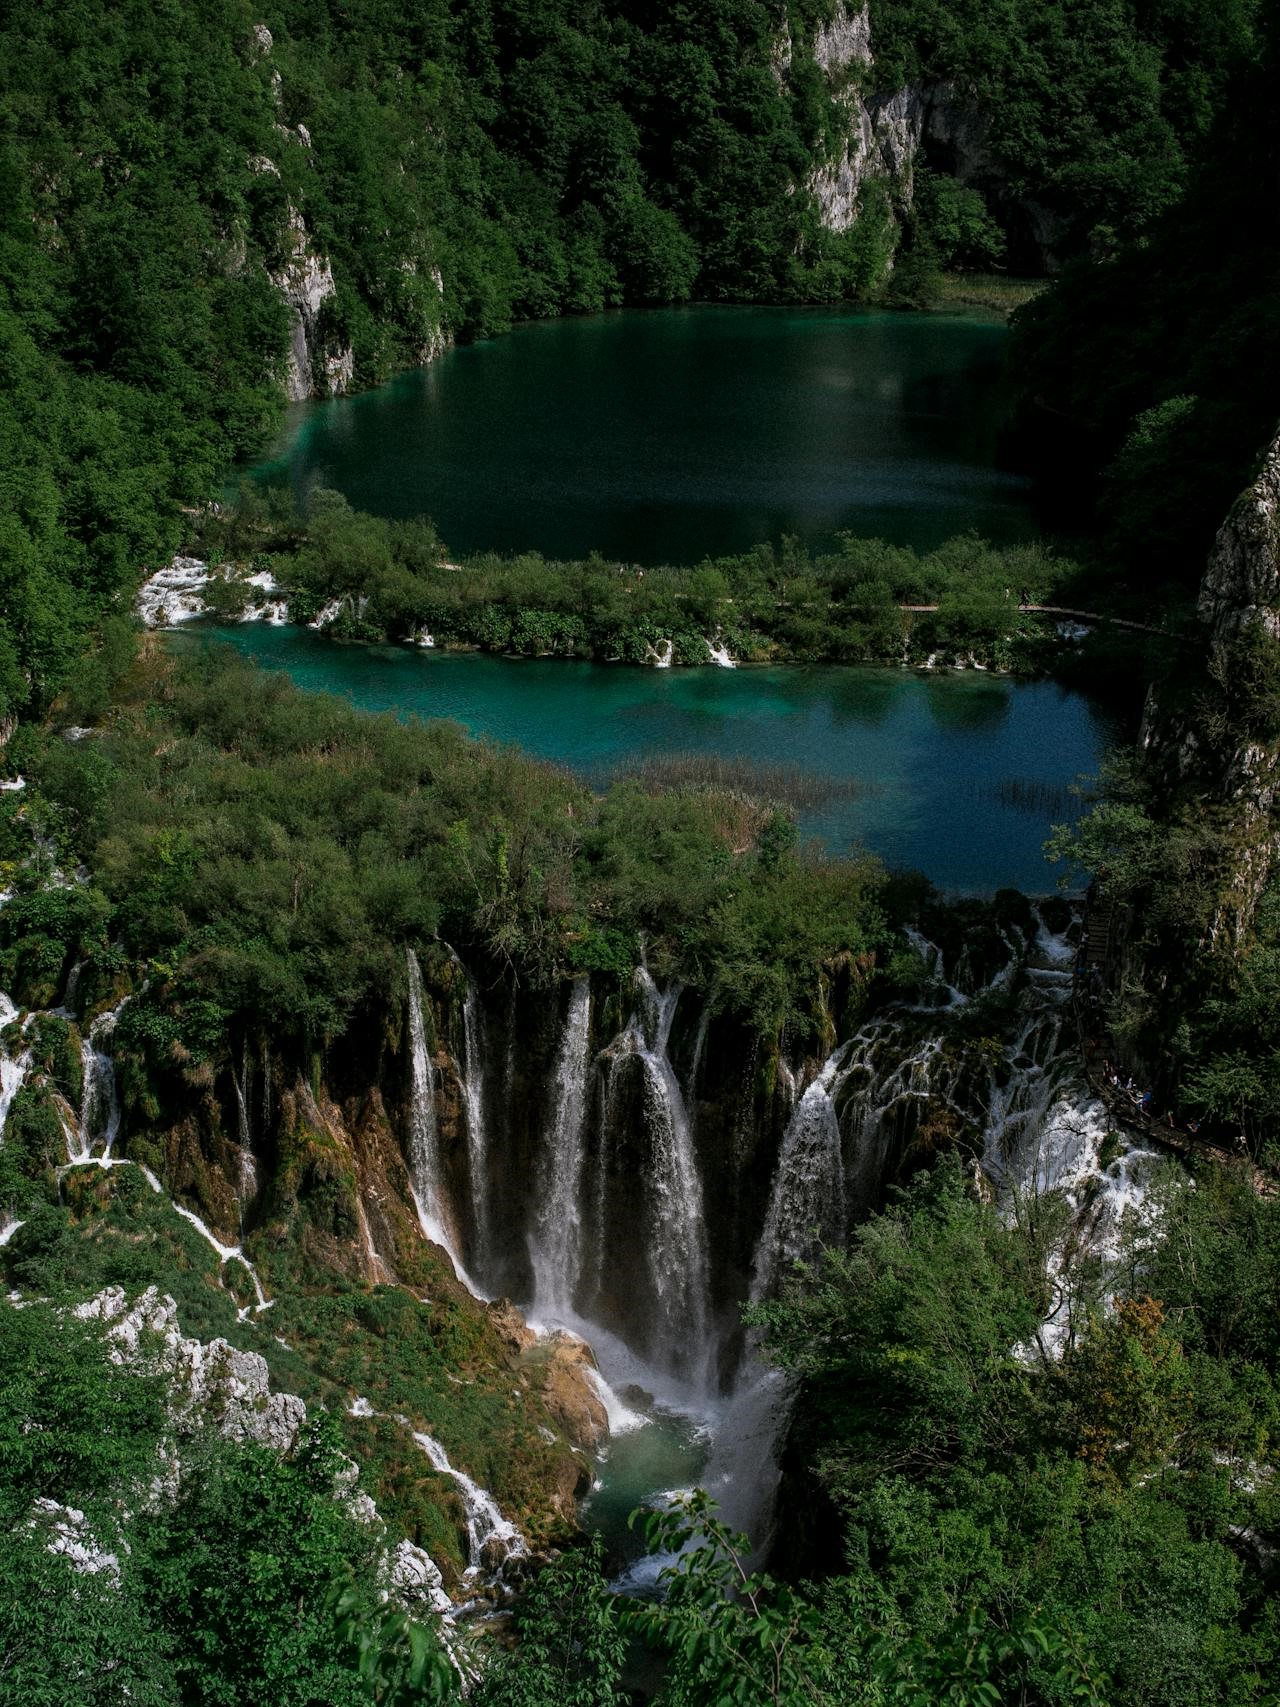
(12, 1070)
(699, 1050)
(556, 1239)
(807, 1201)
(226, 1253)
(247, 1183)
(931, 954)
(99, 1101)
(472, 1081)
(674, 1229)
(379, 1271)
(491, 1539)
(71, 995)
(266, 1085)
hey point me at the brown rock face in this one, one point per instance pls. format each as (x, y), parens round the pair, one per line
(511, 1325)
(568, 1391)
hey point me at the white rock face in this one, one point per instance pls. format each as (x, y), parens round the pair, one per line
(844, 41)
(882, 134)
(415, 1580)
(212, 1382)
(1241, 584)
(1240, 590)
(306, 283)
(68, 1534)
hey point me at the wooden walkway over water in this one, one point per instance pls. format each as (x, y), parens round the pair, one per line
(1070, 615)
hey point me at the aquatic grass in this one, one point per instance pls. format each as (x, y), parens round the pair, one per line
(781, 785)
(995, 291)
(1034, 796)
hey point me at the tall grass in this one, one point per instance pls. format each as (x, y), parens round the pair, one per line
(779, 785)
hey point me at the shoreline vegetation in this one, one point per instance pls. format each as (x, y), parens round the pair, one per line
(355, 577)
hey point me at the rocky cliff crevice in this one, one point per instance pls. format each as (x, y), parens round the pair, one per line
(321, 361)
(1221, 742)
(885, 135)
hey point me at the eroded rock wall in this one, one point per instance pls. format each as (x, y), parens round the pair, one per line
(1203, 745)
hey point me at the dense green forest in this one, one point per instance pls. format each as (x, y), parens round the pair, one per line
(156, 165)
(967, 1522)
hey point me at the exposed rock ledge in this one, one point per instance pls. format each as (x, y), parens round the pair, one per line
(212, 1382)
(1240, 589)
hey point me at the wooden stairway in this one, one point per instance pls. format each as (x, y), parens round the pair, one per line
(1097, 934)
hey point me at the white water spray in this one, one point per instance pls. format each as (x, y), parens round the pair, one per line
(675, 1234)
(473, 1097)
(99, 1101)
(807, 1201)
(487, 1530)
(556, 1241)
(426, 1178)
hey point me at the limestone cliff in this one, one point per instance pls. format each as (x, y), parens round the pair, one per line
(1217, 743)
(321, 361)
(884, 134)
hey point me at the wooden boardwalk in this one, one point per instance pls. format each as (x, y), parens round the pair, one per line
(1072, 615)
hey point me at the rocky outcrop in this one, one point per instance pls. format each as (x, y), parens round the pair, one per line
(321, 362)
(844, 40)
(212, 1383)
(317, 365)
(571, 1392)
(1234, 767)
(881, 135)
(1241, 584)
(885, 134)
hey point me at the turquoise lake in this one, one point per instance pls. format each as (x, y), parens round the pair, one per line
(956, 775)
(675, 434)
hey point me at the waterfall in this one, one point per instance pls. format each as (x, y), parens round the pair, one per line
(424, 1144)
(675, 1250)
(472, 1079)
(247, 1184)
(486, 1528)
(807, 1200)
(699, 1050)
(226, 1254)
(931, 954)
(99, 1101)
(556, 1240)
(266, 1085)
(12, 1072)
(426, 1177)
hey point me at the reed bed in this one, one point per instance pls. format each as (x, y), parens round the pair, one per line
(801, 790)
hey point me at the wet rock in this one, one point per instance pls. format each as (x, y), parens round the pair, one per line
(415, 1579)
(570, 1393)
(515, 1332)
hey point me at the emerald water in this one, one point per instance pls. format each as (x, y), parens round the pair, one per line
(680, 433)
(957, 775)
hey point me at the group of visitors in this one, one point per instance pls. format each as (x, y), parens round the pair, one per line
(1140, 1099)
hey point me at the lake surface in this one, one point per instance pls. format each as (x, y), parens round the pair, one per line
(675, 434)
(955, 775)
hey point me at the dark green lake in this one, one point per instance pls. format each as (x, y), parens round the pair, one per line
(679, 433)
(956, 775)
